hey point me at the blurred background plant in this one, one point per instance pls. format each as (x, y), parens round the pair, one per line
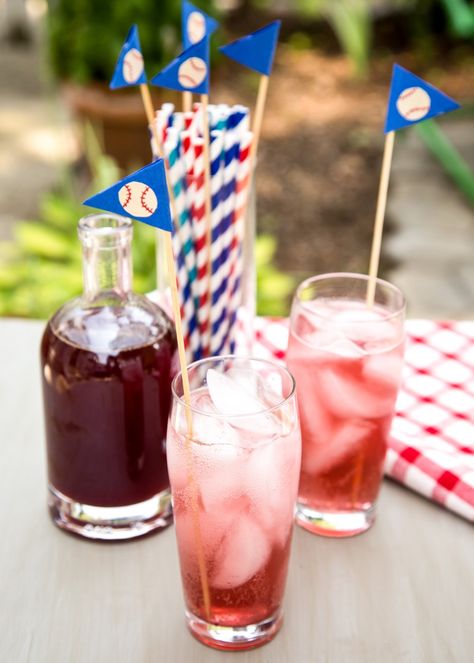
(41, 268)
(85, 36)
(322, 127)
(354, 22)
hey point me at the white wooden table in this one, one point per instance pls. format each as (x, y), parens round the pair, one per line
(404, 591)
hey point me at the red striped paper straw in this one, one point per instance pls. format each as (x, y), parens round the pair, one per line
(217, 252)
(183, 230)
(236, 254)
(200, 242)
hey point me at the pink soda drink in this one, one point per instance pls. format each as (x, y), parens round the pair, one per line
(234, 483)
(347, 359)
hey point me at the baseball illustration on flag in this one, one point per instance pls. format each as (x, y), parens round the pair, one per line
(189, 72)
(412, 100)
(195, 24)
(142, 195)
(130, 68)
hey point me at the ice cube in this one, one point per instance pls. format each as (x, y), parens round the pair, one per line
(231, 399)
(212, 430)
(384, 370)
(344, 347)
(176, 460)
(267, 389)
(304, 325)
(217, 467)
(271, 481)
(356, 313)
(193, 526)
(102, 330)
(245, 377)
(345, 441)
(229, 396)
(350, 396)
(243, 552)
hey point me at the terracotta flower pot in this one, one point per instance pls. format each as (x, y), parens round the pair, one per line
(118, 117)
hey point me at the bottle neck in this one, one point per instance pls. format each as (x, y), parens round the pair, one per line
(106, 257)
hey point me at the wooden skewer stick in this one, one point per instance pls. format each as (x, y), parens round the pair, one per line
(207, 195)
(379, 216)
(189, 424)
(256, 130)
(147, 102)
(258, 119)
(150, 115)
(187, 101)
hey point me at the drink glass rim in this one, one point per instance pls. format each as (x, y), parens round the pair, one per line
(235, 417)
(351, 275)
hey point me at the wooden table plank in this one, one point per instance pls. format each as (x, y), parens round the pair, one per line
(402, 592)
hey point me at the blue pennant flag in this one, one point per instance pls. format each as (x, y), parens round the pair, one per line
(257, 50)
(130, 68)
(142, 195)
(413, 100)
(189, 72)
(195, 24)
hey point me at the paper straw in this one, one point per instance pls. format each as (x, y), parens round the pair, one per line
(218, 248)
(177, 121)
(188, 120)
(187, 157)
(188, 280)
(241, 207)
(200, 244)
(220, 330)
(163, 119)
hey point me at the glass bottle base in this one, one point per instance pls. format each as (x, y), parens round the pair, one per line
(234, 638)
(334, 523)
(116, 523)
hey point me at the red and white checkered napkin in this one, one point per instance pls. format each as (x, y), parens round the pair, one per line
(431, 448)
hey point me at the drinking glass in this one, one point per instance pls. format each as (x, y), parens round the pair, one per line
(234, 462)
(346, 356)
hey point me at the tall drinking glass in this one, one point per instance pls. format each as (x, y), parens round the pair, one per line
(346, 356)
(234, 482)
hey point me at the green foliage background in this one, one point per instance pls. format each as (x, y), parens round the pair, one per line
(85, 36)
(41, 267)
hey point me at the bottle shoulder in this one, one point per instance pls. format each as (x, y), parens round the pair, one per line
(122, 324)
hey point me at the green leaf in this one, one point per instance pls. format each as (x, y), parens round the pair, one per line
(60, 211)
(265, 247)
(38, 239)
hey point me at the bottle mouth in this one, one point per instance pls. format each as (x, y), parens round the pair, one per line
(107, 230)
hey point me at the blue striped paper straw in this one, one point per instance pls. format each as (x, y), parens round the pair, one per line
(187, 276)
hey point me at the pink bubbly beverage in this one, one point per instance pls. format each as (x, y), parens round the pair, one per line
(346, 357)
(234, 487)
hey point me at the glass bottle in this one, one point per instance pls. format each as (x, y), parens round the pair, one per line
(107, 361)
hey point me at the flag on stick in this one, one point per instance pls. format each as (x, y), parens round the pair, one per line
(195, 25)
(130, 67)
(130, 71)
(255, 51)
(411, 100)
(188, 72)
(142, 195)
